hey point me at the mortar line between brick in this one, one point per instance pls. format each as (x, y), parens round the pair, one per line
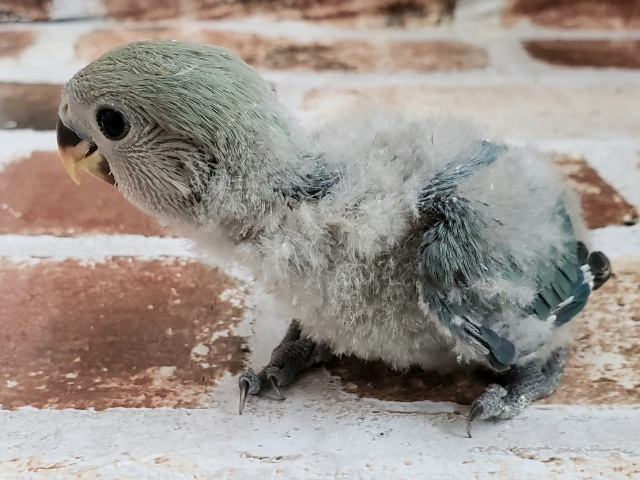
(616, 241)
(312, 30)
(92, 247)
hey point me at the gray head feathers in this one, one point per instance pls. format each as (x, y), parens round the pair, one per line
(196, 113)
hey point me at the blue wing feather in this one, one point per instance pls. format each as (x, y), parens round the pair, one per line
(453, 255)
(447, 261)
(565, 285)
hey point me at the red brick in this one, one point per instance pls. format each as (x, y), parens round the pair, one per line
(601, 203)
(115, 334)
(368, 12)
(24, 10)
(38, 197)
(143, 9)
(595, 14)
(29, 105)
(13, 43)
(91, 46)
(435, 55)
(288, 54)
(604, 368)
(586, 53)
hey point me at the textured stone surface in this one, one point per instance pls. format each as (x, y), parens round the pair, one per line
(144, 9)
(350, 439)
(119, 333)
(586, 53)
(577, 13)
(24, 10)
(38, 197)
(29, 105)
(601, 203)
(369, 12)
(13, 43)
(604, 368)
(525, 111)
(288, 54)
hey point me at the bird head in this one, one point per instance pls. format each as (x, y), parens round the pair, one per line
(177, 127)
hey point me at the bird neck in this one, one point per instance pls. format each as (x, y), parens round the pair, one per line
(258, 202)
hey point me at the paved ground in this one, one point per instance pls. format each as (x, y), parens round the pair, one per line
(119, 351)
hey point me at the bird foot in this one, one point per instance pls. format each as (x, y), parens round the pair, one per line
(495, 402)
(529, 383)
(293, 354)
(252, 383)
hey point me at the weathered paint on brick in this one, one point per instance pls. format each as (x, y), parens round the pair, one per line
(38, 197)
(24, 10)
(586, 53)
(613, 14)
(602, 205)
(13, 43)
(354, 12)
(279, 53)
(29, 105)
(119, 333)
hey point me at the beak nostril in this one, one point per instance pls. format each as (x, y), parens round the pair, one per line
(91, 150)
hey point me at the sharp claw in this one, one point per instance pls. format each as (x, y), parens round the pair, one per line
(244, 391)
(475, 412)
(274, 385)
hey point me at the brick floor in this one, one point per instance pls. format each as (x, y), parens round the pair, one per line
(345, 12)
(119, 333)
(612, 14)
(290, 54)
(586, 53)
(374, 12)
(602, 205)
(13, 43)
(101, 308)
(29, 105)
(37, 198)
(24, 10)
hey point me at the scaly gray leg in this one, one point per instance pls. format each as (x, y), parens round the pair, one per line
(531, 382)
(293, 354)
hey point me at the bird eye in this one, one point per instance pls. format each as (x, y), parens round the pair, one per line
(112, 123)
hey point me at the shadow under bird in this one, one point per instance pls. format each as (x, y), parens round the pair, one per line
(414, 240)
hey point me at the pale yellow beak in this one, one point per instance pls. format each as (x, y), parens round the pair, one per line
(78, 154)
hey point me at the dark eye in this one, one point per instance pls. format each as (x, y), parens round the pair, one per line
(112, 123)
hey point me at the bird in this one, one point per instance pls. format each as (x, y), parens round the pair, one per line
(417, 240)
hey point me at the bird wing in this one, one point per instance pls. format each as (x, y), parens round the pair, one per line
(454, 257)
(564, 285)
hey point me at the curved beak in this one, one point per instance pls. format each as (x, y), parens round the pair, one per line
(78, 154)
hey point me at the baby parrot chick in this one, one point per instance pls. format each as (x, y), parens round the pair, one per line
(413, 240)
